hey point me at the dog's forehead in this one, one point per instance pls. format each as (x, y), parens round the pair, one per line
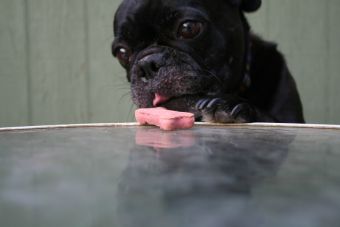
(153, 12)
(141, 22)
(133, 8)
(142, 16)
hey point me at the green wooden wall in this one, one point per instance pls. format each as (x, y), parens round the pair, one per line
(56, 66)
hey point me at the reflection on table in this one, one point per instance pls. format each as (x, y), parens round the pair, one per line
(141, 176)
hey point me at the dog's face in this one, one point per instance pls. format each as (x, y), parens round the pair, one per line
(177, 51)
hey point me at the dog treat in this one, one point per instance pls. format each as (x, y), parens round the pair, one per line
(165, 119)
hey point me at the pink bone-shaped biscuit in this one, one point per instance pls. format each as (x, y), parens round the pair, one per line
(165, 119)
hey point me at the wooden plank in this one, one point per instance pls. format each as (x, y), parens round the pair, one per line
(259, 19)
(14, 108)
(308, 70)
(300, 30)
(297, 25)
(334, 28)
(57, 61)
(334, 61)
(110, 99)
(334, 91)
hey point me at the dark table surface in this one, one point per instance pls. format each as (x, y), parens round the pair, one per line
(141, 176)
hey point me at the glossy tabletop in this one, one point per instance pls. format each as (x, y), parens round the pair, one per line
(140, 176)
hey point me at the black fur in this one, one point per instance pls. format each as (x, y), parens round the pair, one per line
(247, 5)
(223, 74)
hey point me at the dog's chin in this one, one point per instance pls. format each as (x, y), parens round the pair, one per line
(184, 103)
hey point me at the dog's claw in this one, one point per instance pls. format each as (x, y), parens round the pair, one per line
(243, 113)
(198, 104)
(236, 110)
(207, 103)
(201, 104)
(213, 102)
(224, 110)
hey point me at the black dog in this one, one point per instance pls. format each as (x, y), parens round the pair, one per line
(199, 56)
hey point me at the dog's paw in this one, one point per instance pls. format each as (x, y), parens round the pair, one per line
(226, 110)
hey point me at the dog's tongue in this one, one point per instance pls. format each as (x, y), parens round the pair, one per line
(159, 99)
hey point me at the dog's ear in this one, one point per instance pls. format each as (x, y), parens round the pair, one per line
(247, 5)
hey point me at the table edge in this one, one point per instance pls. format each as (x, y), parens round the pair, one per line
(203, 124)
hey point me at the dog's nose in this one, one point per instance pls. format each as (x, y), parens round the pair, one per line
(151, 64)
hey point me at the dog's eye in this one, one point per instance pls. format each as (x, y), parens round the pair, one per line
(123, 55)
(189, 30)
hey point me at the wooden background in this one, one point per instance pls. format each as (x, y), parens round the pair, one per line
(56, 66)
